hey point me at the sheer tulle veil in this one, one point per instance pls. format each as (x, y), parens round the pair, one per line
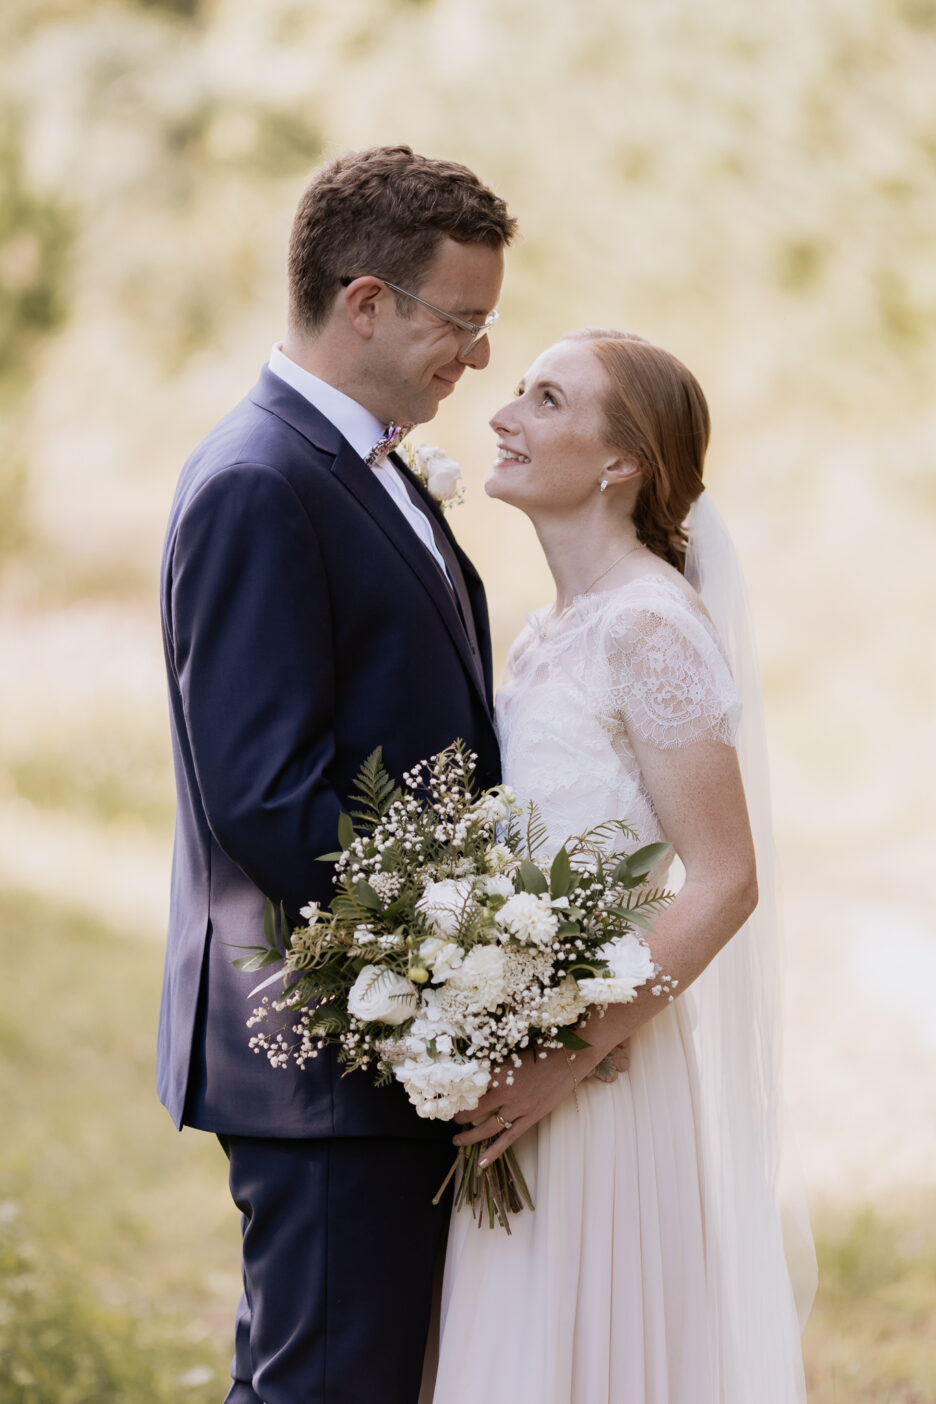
(758, 1238)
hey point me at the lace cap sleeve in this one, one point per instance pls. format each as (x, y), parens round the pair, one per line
(668, 680)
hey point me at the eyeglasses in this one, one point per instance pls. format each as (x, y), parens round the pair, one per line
(475, 332)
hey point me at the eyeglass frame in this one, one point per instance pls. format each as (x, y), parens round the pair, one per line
(476, 331)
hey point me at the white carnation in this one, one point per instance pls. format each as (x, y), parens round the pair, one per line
(380, 996)
(441, 956)
(498, 885)
(529, 918)
(600, 990)
(482, 976)
(440, 1087)
(443, 904)
(561, 1005)
(499, 859)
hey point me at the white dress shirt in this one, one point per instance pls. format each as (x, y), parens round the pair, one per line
(362, 430)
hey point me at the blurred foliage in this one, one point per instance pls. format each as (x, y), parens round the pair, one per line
(35, 238)
(872, 1334)
(751, 185)
(100, 778)
(35, 242)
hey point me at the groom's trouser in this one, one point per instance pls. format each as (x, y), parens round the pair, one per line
(340, 1240)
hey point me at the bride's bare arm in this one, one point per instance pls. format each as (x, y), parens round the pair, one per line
(697, 794)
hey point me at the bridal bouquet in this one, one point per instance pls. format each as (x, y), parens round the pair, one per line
(448, 947)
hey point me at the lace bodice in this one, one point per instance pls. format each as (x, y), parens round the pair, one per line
(639, 663)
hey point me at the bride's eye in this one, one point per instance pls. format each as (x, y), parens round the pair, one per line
(518, 392)
(548, 398)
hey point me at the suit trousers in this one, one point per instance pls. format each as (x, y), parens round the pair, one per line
(340, 1239)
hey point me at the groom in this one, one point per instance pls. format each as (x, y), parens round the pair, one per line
(315, 605)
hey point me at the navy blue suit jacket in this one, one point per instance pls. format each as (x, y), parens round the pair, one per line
(304, 623)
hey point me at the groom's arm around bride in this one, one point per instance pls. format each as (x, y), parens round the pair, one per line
(315, 605)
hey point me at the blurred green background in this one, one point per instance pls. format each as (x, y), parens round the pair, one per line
(752, 186)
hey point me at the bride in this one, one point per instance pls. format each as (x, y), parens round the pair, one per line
(652, 1270)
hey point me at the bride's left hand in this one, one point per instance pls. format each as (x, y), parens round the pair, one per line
(538, 1086)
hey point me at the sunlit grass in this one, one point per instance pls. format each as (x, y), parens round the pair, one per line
(118, 1253)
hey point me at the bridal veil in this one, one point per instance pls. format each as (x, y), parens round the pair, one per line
(757, 1231)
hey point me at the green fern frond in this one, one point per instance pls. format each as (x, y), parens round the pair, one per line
(374, 791)
(536, 831)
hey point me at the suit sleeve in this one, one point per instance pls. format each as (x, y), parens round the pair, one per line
(252, 650)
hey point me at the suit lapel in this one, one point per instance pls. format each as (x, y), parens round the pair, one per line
(275, 396)
(354, 474)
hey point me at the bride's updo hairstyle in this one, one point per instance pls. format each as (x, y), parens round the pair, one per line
(657, 416)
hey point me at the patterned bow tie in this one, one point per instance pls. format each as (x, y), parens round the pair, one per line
(388, 441)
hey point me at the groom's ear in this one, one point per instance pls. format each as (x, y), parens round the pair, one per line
(362, 299)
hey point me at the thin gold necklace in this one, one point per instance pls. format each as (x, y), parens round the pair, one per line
(607, 571)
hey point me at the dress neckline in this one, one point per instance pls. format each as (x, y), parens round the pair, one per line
(547, 622)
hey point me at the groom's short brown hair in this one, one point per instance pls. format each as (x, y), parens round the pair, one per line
(384, 211)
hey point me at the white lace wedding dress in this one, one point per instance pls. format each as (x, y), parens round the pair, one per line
(608, 1293)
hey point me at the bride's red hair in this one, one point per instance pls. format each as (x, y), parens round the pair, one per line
(657, 416)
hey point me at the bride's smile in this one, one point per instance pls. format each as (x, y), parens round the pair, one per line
(551, 450)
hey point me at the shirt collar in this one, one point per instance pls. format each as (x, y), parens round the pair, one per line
(361, 428)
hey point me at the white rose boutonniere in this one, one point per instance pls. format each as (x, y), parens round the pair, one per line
(441, 474)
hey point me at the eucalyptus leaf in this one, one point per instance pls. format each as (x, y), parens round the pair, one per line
(257, 962)
(269, 925)
(560, 874)
(367, 897)
(570, 1040)
(346, 834)
(532, 877)
(641, 862)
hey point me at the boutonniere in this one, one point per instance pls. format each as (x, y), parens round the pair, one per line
(440, 474)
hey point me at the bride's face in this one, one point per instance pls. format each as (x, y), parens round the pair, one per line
(551, 450)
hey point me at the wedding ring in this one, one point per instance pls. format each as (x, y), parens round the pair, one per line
(502, 1122)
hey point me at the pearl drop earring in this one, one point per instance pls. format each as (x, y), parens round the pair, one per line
(603, 485)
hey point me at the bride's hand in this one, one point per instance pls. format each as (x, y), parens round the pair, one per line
(538, 1086)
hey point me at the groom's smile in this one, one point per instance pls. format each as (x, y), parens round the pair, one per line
(420, 355)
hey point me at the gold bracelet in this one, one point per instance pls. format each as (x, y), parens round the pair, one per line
(569, 1057)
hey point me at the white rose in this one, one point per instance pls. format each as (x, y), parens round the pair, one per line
(442, 474)
(498, 885)
(380, 996)
(629, 960)
(443, 904)
(442, 957)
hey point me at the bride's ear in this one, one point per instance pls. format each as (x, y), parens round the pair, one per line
(620, 470)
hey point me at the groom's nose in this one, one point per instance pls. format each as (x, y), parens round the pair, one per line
(479, 355)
